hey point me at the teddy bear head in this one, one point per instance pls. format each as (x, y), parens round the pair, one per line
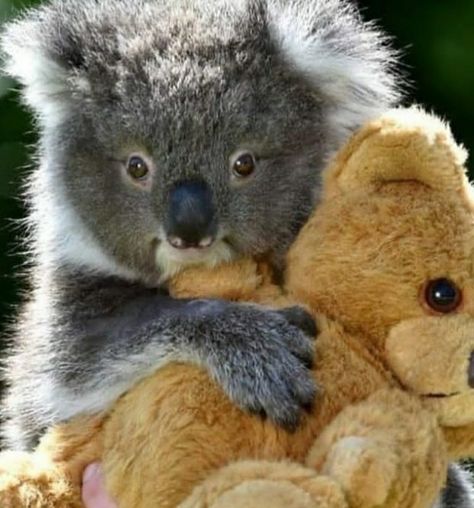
(389, 255)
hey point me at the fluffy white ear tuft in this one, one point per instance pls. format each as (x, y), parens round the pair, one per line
(45, 81)
(348, 61)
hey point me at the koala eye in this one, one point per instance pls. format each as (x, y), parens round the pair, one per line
(443, 296)
(243, 165)
(137, 168)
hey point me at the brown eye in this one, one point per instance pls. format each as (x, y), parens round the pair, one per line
(443, 296)
(244, 165)
(137, 168)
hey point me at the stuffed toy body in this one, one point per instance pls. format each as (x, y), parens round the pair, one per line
(386, 265)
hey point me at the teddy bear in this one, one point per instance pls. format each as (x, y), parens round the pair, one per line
(386, 266)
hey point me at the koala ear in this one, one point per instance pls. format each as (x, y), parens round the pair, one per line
(44, 58)
(348, 61)
(402, 145)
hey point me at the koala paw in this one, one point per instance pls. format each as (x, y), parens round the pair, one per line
(262, 360)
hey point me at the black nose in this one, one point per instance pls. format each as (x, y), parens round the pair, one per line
(191, 218)
(471, 371)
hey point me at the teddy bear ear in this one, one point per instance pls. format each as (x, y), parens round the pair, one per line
(405, 144)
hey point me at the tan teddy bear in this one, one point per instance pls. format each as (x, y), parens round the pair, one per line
(386, 264)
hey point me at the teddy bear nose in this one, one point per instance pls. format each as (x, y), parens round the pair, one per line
(471, 370)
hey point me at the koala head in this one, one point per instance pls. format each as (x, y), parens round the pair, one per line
(181, 132)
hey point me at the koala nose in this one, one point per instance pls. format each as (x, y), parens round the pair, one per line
(191, 218)
(471, 371)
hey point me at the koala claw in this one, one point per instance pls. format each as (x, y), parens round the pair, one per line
(301, 318)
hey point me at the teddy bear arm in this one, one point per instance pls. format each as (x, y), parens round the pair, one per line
(243, 280)
(33, 480)
(50, 477)
(387, 450)
(74, 444)
(253, 484)
(460, 441)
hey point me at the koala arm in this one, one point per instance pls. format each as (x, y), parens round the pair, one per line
(102, 335)
(387, 450)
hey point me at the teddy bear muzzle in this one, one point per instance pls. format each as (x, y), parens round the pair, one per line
(434, 358)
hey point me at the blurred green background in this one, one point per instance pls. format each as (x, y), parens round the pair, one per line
(435, 36)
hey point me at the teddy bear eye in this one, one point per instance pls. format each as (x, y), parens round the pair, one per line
(443, 296)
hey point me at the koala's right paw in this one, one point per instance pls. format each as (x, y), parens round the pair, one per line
(262, 359)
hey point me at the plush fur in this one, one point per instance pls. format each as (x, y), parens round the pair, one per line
(396, 402)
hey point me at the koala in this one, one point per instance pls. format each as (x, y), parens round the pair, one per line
(174, 132)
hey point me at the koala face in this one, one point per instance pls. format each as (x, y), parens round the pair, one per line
(182, 132)
(200, 170)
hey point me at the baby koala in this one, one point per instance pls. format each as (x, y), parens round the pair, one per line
(174, 132)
